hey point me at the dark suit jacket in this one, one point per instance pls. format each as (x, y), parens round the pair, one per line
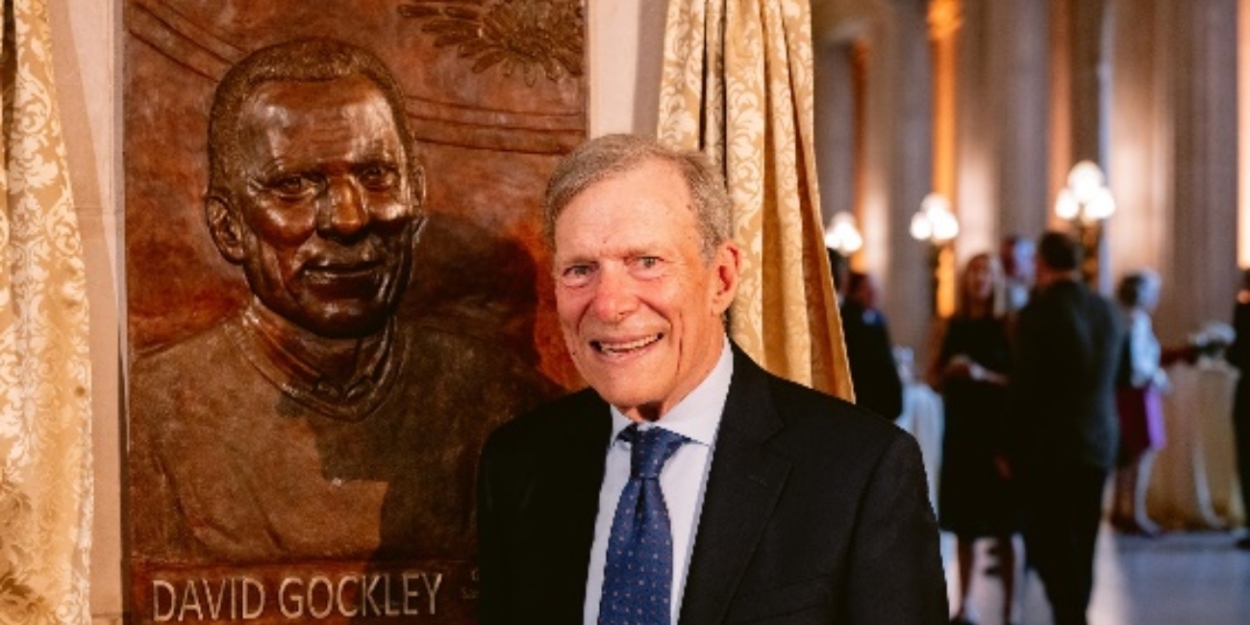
(1068, 348)
(870, 354)
(815, 512)
(1238, 355)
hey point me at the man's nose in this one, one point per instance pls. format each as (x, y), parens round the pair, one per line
(343, 212)
(614, 295)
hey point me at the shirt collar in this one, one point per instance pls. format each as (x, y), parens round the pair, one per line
(698, 415)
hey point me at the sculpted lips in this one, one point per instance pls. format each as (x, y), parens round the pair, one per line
(345, 270)
(343, 278)
(339, 266)
(618, 348)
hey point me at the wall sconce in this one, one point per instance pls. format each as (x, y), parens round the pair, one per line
(1086, 198)
(843, 235)
(936, 224)
(1086, 203)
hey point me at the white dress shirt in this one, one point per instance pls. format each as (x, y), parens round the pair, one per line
(683, 479)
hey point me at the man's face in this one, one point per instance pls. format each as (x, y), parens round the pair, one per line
(639, 307)
(865, 294)
(327, 210)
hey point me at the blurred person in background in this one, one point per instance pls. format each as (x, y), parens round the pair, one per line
(869, 351)
(1239, 356)
(1139, 403)
(1067, 352)
(976, 497)
(1016, 255)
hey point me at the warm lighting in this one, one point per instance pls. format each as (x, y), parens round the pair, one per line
(843, 235)
(934, 222)
(1086, 198)
(1085, 204)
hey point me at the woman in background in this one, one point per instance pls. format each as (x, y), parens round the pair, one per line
(1139, 404)
(976, 498)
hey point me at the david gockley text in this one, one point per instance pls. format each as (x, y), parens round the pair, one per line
(244, 598)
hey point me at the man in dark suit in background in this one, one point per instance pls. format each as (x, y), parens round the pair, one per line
(874, 372)
(773, 502)
(1239, 356)
(1068, 349)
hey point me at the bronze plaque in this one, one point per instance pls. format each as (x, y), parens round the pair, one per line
(335, 289)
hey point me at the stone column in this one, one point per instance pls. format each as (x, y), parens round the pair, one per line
(898, 158)
(1202, 280)
(1138, 162)
(1078, 97)
(1002, 122)
(1017, 39)
(834, 115)
(945, 19)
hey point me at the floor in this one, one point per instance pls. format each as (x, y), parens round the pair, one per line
(1175, 579)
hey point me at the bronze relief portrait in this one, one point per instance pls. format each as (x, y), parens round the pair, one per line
(335, 290)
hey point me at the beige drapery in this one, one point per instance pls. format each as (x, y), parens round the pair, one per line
(737, 85)
(45, 478)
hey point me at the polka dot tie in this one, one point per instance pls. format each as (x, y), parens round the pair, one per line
(638, 576)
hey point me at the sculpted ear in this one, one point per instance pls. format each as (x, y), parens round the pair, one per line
(224, 226)
(418, 186)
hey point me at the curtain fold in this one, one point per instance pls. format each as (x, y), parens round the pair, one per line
(737, 85)
(45, 415)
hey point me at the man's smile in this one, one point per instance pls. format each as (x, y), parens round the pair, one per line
(624, 348)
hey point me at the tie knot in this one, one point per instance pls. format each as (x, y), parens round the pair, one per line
(650, 449)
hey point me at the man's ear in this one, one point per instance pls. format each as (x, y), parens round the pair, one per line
(727, 266)
(225, 228)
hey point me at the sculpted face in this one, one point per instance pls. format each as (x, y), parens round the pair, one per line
(639, 307)
(324, 217)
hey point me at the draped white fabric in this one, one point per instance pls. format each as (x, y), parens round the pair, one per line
(45, 420)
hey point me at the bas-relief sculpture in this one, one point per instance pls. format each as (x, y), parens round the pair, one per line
(335, 290)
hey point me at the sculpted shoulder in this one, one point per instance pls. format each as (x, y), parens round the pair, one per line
(478, 371)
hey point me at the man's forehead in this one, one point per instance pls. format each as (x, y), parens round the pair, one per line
(271, 98)
(323, 121)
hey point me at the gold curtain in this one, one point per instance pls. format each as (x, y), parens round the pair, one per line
(737, 84)
(45, 419)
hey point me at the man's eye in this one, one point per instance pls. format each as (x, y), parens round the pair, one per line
(646, 266)
(576, 275)
(378, 177)
(294, 186)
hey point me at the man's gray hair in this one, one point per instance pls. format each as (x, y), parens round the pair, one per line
(610, 155)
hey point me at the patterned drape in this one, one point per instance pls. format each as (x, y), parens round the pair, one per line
(45, 418)
(737, 84)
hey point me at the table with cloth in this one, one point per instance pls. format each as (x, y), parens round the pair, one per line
(922, 416)
(1194, 481)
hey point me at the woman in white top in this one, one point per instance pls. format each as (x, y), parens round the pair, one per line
(1139, 403)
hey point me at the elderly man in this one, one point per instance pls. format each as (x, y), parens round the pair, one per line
(313, 424)
(687, 484)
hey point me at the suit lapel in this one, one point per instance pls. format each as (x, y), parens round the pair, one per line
(566, 499)
(743, 487)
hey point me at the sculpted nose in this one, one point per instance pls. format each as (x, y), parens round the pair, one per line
(343, 213)
(614, 295)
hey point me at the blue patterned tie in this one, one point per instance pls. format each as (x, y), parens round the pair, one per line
(639, 572)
